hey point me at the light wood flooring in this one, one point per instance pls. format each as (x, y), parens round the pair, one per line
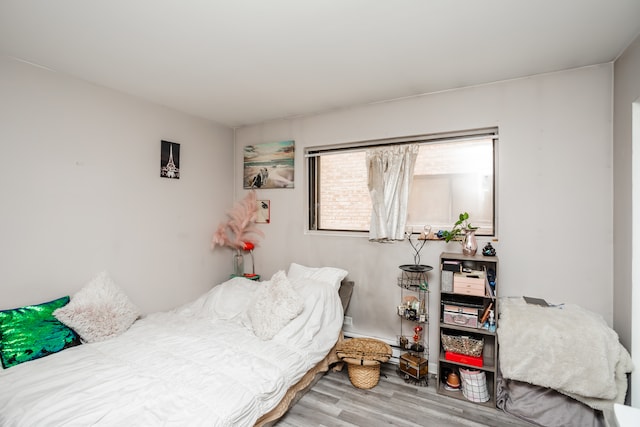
(334, 401)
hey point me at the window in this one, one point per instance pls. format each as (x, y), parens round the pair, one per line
(454, 173)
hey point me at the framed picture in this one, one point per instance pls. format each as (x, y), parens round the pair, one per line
(269, 165)
(264, 212)
(169, 160)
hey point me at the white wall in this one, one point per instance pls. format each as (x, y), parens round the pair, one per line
(554, 188)
(81, 192)
(626, 205)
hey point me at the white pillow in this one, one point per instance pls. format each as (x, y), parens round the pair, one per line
(330, 275)
(98, 311)
(275, 304)
(228, 300)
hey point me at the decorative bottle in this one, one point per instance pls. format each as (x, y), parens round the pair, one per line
(238, 264)
(492, 322)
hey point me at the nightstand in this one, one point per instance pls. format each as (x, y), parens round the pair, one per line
(254, 277)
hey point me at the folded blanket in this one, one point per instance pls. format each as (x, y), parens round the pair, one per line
(568, 349)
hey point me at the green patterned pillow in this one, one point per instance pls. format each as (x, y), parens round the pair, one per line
(31, 332)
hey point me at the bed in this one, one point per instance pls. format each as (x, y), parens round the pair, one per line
(559, 365)
(225, 359)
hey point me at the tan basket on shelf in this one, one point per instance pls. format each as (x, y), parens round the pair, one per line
(363, 357)
(462, 344)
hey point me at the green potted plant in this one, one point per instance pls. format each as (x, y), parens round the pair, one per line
(463, 227)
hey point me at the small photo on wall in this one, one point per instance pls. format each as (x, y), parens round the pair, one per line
(263, 216)
(269, 165)
(170, 160)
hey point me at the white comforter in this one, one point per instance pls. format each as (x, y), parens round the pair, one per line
(195, 366)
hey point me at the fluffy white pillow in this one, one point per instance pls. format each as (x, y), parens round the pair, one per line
(98, 311)
(322, 274)
(275, 304)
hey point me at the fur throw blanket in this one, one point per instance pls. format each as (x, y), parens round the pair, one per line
(568, 349)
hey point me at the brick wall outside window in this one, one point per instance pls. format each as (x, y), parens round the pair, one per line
(346, 204)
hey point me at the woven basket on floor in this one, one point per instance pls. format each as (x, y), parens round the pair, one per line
(363, 357)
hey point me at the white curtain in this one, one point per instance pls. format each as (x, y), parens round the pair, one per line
(390, 173)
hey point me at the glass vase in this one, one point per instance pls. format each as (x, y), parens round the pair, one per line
(469, 242)
(238, 264)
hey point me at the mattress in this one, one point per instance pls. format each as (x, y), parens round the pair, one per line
(200, 364)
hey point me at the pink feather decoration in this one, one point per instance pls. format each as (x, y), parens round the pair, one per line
(241, 228)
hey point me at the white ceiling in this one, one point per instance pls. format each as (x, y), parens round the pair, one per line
(242, 62)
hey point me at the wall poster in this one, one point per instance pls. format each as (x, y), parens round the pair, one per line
(170, 160)
(263, 215)
(269, 165)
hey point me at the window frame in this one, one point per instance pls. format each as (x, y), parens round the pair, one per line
(312, 170)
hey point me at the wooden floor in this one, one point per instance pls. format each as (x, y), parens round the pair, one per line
(334, 401)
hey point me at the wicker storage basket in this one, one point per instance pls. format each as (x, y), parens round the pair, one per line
(363, 357)
(462, 344)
